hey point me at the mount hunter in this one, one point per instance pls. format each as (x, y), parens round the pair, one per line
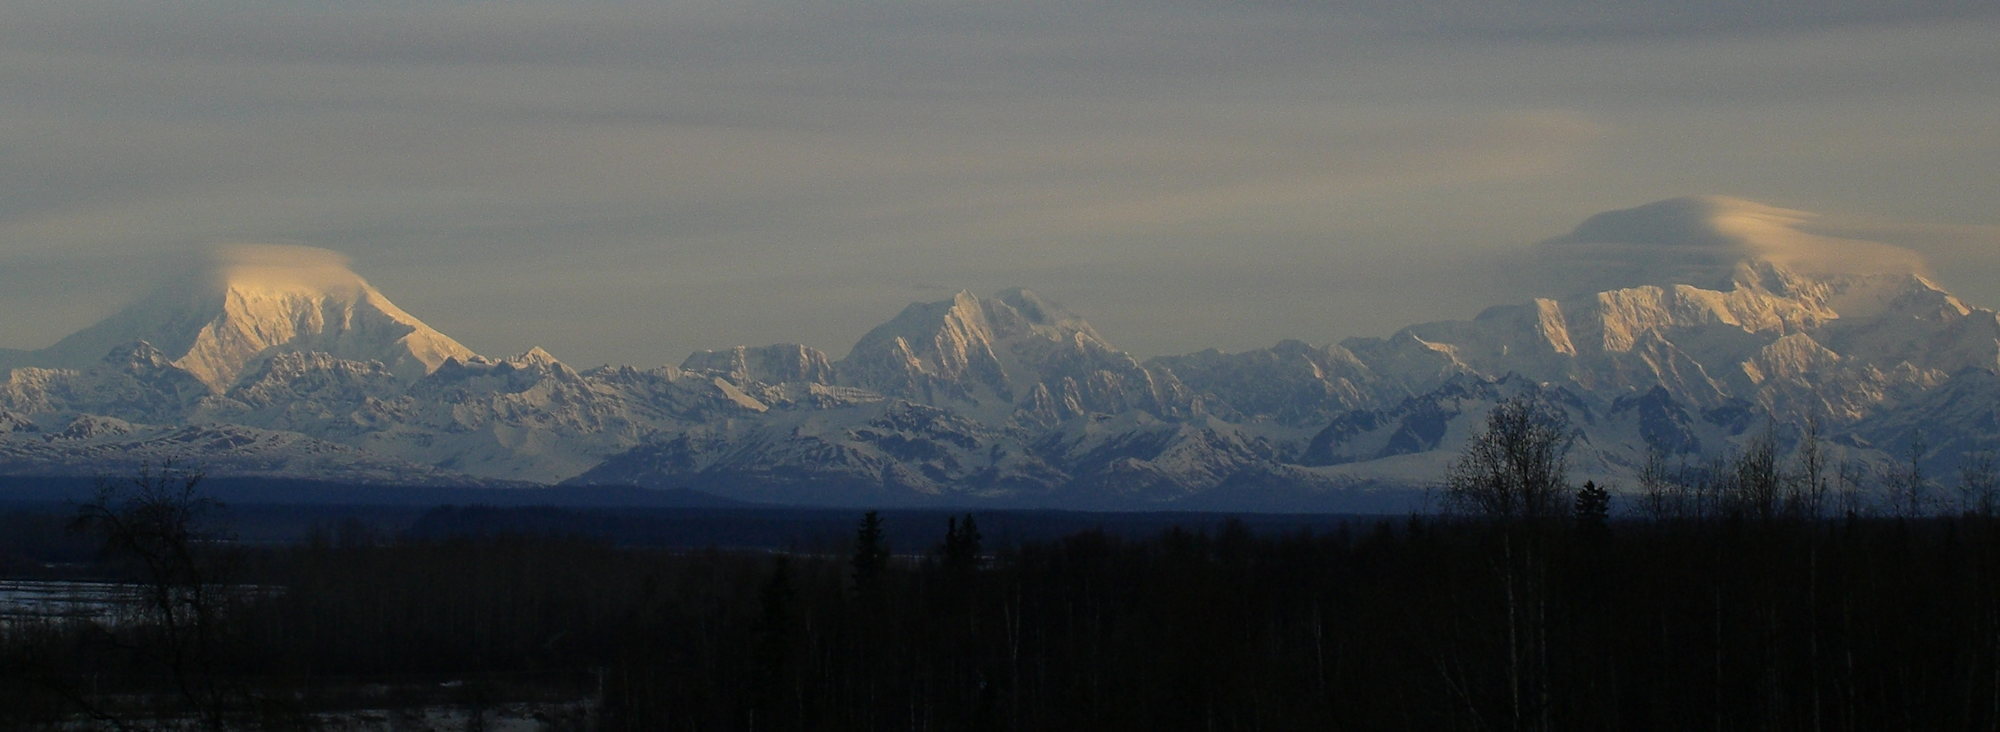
(1704, 322)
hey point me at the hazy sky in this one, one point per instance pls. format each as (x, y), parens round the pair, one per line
(628, 182)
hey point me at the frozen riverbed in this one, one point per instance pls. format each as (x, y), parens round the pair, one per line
(41, 600)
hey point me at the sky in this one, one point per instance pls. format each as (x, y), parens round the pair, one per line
(627, 182)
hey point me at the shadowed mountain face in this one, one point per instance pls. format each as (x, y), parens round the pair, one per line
(1726, 322)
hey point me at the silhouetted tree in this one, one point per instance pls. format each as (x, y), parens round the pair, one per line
(1593, 507)
(160, 522)
(871, 552)
(1515, 475)
(1979, 484)
(1518, 467)
(1663, 494)
(1908, 486)
(1754, 485)
(773, 646)
(961, 545)
(1812, 481)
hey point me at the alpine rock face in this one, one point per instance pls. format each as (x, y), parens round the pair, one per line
(1013, 356)
(1701, 323)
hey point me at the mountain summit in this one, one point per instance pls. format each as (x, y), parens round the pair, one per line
(1725, 322)
(248, 302)
(1702, 241)
(996, 356)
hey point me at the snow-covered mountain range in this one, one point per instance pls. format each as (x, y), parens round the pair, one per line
(1702, 322)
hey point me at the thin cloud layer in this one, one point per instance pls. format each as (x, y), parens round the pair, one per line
(627, 181)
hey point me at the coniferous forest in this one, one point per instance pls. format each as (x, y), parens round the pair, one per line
(1419, 623)
(1740, 597)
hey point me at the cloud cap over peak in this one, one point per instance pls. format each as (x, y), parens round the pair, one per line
(280, 267)
(1699, 240)
(1688, 221)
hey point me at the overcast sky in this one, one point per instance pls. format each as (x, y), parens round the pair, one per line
(627, 182)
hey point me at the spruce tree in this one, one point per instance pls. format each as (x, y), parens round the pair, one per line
(871, 553)
(961, 545)
(1593, 507)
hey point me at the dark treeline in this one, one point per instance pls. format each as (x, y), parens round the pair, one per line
(1752, 592)
(1419, 623)
(808, 530)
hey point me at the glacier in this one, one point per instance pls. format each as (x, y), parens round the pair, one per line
(1713, 321)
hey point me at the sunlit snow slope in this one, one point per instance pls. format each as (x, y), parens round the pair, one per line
(249, 302)
(1683, 328)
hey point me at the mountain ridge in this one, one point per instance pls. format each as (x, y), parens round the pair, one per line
(1011, 399)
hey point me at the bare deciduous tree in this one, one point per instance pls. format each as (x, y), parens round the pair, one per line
(1516, 475)
(1979, 484)
(1809, 497)
(160, 522)
(1906, 483)
(1755, 483)
(1518, 468)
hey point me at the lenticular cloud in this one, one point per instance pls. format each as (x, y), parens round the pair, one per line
(1699, 240)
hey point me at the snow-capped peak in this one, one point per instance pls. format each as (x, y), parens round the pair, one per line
(246, 302)
(535, 356)
(1704, 241)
